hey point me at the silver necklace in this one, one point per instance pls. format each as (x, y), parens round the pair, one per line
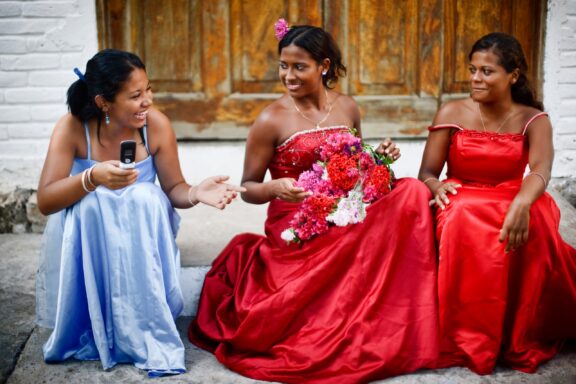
(501, 124)
(310, 120)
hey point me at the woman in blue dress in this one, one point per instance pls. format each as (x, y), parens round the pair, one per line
(108, 281)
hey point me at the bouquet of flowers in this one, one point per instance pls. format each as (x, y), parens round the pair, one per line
(348, 177)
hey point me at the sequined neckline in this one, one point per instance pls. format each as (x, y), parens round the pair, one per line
(308, 131)
(472, 132)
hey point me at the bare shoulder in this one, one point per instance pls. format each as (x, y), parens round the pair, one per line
(157, 121)
(68, 124)
(69, 129)
(344, 102)
(453, 112)
(349, 108)
(269, 121)
(159, 131)
(527, 113)
(530, 116)
(68, 137)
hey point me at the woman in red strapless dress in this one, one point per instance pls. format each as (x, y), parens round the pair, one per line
(355, 304)
(507, 280)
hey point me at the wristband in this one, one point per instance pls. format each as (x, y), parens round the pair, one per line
(83, 179)
(540, 176)
(430, 178)
(89, 178)
(192, 203)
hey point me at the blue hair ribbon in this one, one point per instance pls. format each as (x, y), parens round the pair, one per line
(79, 74)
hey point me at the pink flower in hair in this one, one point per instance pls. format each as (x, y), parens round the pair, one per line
(281, 28)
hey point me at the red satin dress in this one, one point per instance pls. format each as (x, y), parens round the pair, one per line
(515, 307)
(355, 304)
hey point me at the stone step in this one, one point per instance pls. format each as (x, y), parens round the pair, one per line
(204, 232)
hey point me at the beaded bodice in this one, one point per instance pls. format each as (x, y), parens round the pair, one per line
(300, 151)
(487, 158)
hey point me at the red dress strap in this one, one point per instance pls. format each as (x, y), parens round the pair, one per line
(532, 119)
(443, 126)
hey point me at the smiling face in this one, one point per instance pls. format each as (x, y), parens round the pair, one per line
(489, 81)
(299, 72)
(131, 104)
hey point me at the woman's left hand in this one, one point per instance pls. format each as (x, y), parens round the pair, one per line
(515, 226)
(388, 148)
(215, 192)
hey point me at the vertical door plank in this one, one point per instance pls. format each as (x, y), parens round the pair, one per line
(215, 53)
(166, 30)
(528, 29)
(383, 38)
(254, 45)
(430, 60)
(335, 21)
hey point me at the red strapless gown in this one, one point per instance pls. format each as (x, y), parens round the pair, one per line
(514, 307)
(354, 304)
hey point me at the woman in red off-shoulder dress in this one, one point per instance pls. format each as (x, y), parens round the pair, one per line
(354, 304)
(507, 280)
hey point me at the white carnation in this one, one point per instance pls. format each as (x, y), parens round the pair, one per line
(350, 210)
(288, 235)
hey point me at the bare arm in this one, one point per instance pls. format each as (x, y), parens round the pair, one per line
(435, 156)
(541, 156)
(260, 146)
(163, 146)
(56, 190)
(211, 191)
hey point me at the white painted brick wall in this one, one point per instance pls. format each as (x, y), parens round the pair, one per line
(41, 41)
(560, 83)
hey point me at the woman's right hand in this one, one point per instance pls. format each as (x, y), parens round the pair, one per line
(109, 174)
(284, 189)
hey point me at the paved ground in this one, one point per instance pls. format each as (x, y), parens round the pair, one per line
(204, 232)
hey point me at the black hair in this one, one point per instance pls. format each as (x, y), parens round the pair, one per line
(105, 74)
(321, 45)
(511, 56)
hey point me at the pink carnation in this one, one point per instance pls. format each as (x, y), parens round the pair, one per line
(281, 28)
(341, 143)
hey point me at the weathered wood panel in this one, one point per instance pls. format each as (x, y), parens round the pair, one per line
(214, 64)
(382, 39)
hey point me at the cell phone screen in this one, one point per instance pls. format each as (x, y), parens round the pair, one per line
(127, 151)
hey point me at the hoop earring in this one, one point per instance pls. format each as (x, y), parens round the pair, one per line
(106, 118)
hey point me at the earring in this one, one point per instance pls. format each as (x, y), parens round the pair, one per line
(324, 73)
(106, 118)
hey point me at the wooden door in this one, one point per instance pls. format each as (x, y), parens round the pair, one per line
(213, 64)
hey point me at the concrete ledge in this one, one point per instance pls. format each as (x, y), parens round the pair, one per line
(204, 232)
(568, 218)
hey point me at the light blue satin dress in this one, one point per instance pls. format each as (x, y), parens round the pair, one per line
(108, 281)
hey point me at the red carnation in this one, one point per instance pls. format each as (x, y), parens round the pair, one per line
(343, 171)
(377, 183)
